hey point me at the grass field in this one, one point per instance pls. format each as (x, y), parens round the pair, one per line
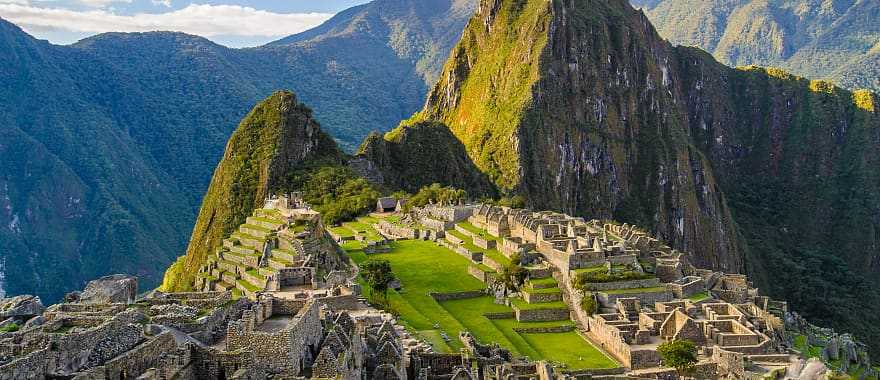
(424, 267)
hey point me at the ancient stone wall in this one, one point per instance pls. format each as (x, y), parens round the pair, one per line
(283, 350)
(134, 362)
(457, 295)
(631, 284)
(541, 315)
(343, 302)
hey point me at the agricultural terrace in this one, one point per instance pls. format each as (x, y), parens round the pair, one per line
(423, 267)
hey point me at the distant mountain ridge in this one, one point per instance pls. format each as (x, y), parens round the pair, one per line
(108, 144)
(835, 40)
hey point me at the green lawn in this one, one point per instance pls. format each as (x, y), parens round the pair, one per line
(416, 264)
(473, 229)
(342, 232)
(523, 305)
(425, 267)
(549, 281)
(567, 348)
(570, 349)
(700, 297)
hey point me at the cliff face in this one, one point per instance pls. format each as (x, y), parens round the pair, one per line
(278, 137)
(575, 106)
(581, 107)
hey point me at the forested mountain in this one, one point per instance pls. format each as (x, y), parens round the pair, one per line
(835, 40)
(107, 145)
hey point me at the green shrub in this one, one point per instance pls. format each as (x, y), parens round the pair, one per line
(436, 194)
(678, 354)
(12, 327)
(589, 304)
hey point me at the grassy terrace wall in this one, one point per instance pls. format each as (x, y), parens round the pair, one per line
(427, 271)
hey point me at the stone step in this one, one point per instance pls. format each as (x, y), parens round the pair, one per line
(242, 250)
(222, 286)
(538, 296)
(270, 223)
(255, 231)
(227, 266)
(277, 263)
(286, 255)
(543, 283)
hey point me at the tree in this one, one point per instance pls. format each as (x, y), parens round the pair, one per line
(679, 354)
(512, 275)
(588, 304)
(378, 275)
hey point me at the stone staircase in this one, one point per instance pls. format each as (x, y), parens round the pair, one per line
(250, 258)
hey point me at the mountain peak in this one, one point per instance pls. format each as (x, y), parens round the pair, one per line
(278, 137)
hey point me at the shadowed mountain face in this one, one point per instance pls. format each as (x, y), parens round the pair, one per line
(836, 40)
(107, 145)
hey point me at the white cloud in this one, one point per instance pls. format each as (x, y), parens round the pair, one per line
(100, 3)
(166, 3)
(200, 19)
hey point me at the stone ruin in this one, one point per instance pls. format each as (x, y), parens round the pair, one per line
(280, 248)
(205, 335)
(322, 328)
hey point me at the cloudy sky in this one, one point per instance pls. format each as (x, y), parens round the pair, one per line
(236, 23)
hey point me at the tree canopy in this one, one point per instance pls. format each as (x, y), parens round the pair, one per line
(678, 354)
(378, 275)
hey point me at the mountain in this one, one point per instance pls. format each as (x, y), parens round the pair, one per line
(108, 144)
(835, 40)
(279, 136)
(581, 107)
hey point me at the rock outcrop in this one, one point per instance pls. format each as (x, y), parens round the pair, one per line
(117, 288)
(20, 307)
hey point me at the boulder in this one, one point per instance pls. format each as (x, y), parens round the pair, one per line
(34, 322)
(21, 307)
(117, 288)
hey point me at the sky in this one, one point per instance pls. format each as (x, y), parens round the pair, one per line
(234, 23)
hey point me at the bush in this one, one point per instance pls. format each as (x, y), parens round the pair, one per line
(678, 354)
(12, 327)
(589, 304)
(436, 194)
(337, 193)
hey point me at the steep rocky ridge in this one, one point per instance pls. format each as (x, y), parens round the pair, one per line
(582, 107)
(277, 137)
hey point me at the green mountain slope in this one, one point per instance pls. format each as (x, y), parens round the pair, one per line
(817, 39)
(277, 137)
(109, 143)
(582, 107)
